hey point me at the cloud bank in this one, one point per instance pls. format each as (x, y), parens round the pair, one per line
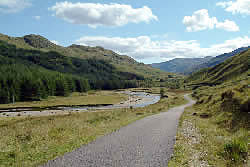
(143, 48)
(200, 20)
(96, 14)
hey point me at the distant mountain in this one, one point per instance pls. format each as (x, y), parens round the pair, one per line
(180, 65)
(121, 62)
(234, 67)
(189, 65)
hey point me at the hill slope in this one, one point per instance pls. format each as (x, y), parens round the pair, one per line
(217, 60)
(32, 74)
(235, 67)
(122, 62)
(221, 113)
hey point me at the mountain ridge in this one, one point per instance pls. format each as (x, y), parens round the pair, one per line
(189, 65)
(179, 65)
(122, 62)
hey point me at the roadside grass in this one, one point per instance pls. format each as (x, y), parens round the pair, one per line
(214, 147)
(32, 141)
(91, 97)
(221, 121)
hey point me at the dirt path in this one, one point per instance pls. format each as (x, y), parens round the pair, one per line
(145, 143)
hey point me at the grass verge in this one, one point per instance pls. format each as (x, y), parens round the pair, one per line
(32, 141)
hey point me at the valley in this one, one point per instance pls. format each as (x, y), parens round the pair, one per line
(115, 83)
(55, 100)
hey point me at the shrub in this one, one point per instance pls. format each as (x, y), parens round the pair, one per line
(236, 150)
(229, 102)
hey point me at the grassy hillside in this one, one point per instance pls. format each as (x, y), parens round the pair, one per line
(89, 68)
(121, 62)
(216, 60)
(216, 130)
(219, 121)
(235, 67)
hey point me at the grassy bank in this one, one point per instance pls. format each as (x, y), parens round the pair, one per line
(92, 97)
(32, 141)
(215, 131)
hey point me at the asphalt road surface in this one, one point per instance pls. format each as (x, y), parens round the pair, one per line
(147, 142)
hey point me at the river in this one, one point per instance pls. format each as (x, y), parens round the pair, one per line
(136, 99)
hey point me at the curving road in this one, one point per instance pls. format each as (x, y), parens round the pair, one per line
(145, 143)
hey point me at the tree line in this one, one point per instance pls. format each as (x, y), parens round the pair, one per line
(22, 83)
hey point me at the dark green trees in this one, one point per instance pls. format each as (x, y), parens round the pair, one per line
(22, 83)
(28, 75)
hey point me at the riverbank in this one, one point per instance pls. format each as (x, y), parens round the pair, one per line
(30, 141)
(131, 100)
(89, 98)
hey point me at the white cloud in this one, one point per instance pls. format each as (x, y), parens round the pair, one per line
(143, 48)
(96, 14)
(238, 6)
(13, 6)
(200, 20)
(227, 25)
(55, 42)
(37, 17)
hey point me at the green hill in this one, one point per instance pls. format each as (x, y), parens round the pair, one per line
(221, 112)
(32, 74)
(34, 64)
(122, 62)
(216, 60)
(233, 68)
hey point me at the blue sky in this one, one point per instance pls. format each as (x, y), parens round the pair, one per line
(148, 30)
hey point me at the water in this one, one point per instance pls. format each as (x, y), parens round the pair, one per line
(136, 100)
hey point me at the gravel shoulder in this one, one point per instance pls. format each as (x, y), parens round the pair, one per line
(146, 142)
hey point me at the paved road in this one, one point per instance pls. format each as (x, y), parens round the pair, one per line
(145, 143)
